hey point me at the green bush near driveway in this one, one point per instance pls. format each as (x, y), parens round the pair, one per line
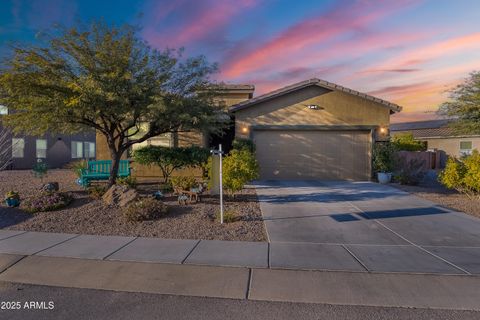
(463, 174)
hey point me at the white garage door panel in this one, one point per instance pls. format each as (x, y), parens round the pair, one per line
(329, 155)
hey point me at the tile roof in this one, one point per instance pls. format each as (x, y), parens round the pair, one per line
(317, 82)
(425, 129)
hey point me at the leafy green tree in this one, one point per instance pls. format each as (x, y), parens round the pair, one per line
(464, 105)
(406, 142)
(171, 159)
(108, 79)
(239, 167)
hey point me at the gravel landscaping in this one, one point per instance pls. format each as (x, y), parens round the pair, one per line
(448, 198)
(87, 216)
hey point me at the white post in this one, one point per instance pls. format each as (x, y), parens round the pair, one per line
(221, 184)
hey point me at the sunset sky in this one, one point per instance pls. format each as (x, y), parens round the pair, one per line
(406, 51)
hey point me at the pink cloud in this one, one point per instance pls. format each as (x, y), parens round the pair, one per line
(427, 53)
(313, 31)
(193, 21)
(413, 116)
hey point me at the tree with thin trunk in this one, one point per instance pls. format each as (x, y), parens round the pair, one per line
(108, 79)
(464, 106)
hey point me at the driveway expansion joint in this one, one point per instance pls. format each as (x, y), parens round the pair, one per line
(56, 244)
(118, 249)
(190, 252)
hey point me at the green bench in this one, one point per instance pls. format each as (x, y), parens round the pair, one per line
(100, 170)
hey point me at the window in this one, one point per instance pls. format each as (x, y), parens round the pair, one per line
(41, 147)
(164, 140)
(18, 147)
(77, 150)
(3, 110)
(89, 148)
(465, 148)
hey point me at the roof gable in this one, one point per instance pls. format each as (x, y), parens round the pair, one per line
(312, 82)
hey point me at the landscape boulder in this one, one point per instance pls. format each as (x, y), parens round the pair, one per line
(120, 196)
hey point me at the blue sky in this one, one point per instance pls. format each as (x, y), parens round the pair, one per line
(406, 51)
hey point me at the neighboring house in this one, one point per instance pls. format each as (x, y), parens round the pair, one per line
(438, 135)
(52, 149)
(309, 130)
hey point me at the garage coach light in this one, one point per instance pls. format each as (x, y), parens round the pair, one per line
(244, 130)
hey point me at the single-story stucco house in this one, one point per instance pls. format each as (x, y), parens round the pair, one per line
(438, 135)
(313, 129)
(55, 150)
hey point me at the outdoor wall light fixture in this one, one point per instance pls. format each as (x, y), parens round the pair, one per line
(244, 130)
(314, 107)
(383, 130)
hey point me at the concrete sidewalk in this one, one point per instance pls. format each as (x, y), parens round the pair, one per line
(275, 255)
(458, 292)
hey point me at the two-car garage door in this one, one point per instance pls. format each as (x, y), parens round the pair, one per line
(326, 155)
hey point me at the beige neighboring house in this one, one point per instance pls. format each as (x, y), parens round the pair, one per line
(313, 129)
(438, 135)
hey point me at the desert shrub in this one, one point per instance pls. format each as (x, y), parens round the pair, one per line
(239, 168)
(183, 182)
(383, 157)
(165, 187)
(96, 192)
(241, 144)
(145, 209)
(47, 202)
(171, 159)
(198, 157)
(472, 172)
(406, 142)
(409, 172)
(228, 216)
(40, 170)
(12, 195)
(463, 174)
(129, 181)
(77, 166)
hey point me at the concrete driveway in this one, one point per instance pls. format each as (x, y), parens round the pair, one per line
(364, 226)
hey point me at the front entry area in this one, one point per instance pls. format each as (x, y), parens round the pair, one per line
(313, 154)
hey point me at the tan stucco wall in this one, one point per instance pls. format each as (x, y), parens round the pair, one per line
(183, 139)
(337, 108)
(451, 146)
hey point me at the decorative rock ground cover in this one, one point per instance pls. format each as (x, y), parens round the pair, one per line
(89, 216)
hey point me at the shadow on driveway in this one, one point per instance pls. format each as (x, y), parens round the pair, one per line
(385, 214)
(329, 197)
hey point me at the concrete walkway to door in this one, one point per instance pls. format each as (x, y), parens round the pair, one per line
(364, 226)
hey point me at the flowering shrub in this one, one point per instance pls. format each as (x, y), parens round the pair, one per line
(47, 202)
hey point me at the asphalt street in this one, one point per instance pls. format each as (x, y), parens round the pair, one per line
(70, 303)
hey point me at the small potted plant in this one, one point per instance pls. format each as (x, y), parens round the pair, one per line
(383, 154)
(12, 199)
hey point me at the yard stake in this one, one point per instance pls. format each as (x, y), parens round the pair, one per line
(221, 183)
